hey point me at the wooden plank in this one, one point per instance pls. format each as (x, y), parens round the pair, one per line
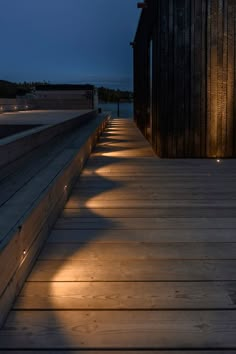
(133, 194)
(161, 203)
(134, 153)
(197, 78)
(145, 173)
(109, 160)
(144, 236)
(165, 270)
(230, 79)
(212, 85)
(114, 182)
(146, 223)
(119, 329)
(168, 178)
(131, 166)
(204, 97)
(196, 162)
(139, 251)
(190, 212)
(120, 137)
(225, 73)
(163, 163)
(99, 185)
(117, 295)
(107, 146)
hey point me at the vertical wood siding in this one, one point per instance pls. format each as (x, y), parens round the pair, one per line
(194, 78)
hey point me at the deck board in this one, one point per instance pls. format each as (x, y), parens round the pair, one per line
(135, 270)
(142, 259)
(116, 295)
(120, 329)
(139, 251)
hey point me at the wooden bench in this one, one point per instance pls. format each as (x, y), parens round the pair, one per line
(30, 204)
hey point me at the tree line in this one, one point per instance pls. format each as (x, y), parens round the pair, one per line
(11, 90)
(109, 95)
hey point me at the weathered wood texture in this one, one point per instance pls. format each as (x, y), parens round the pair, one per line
(16, 146)
(30, 206)
(193, 77)
(137, 262)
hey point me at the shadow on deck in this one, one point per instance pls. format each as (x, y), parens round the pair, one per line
(142, 258)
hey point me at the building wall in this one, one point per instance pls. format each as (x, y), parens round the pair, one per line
(193, 77)
(14, 104)
(65, 99)
(51, 100)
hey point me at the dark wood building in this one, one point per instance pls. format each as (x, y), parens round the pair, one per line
(185, 77)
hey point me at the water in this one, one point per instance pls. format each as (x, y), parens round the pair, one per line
(126, 109)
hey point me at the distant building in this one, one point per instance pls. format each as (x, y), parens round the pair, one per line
(65, 97)
(185, 77)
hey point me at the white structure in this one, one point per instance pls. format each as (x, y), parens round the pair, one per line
(14, 104)
(65, 97)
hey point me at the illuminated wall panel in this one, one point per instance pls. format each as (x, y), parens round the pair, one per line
(193, 77)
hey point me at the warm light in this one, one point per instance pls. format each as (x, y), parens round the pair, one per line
(218, 161)
(65, 188)
(24, 252)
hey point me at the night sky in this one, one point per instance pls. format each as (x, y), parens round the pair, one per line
(71, 41)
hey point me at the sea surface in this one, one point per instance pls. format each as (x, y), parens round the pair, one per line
(126, 109)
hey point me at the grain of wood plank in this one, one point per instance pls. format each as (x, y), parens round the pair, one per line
(110, 161)
(195, 164)
(155, 169)
(150, 213)
(96, 185)
(117, 295)
(138, 251)
(152, 180)
(119, 329)
(161, 203)
(132, 236)
(145, 173)
(91, 189)
(152, 161)
(155, 195)
(134, 153)
(143, 270)
(145, 223)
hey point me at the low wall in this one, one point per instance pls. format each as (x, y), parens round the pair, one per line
(13, 147)
(54, 104)
(14, 105)
(30, 214)
(23, 104)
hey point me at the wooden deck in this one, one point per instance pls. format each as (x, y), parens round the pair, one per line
(143, 259)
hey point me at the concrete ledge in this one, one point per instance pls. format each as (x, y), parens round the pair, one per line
(27, 218)
(13, 147)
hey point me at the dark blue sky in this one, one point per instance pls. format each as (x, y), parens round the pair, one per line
(68, 41)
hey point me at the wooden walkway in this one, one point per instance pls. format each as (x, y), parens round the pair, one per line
(143, 258)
